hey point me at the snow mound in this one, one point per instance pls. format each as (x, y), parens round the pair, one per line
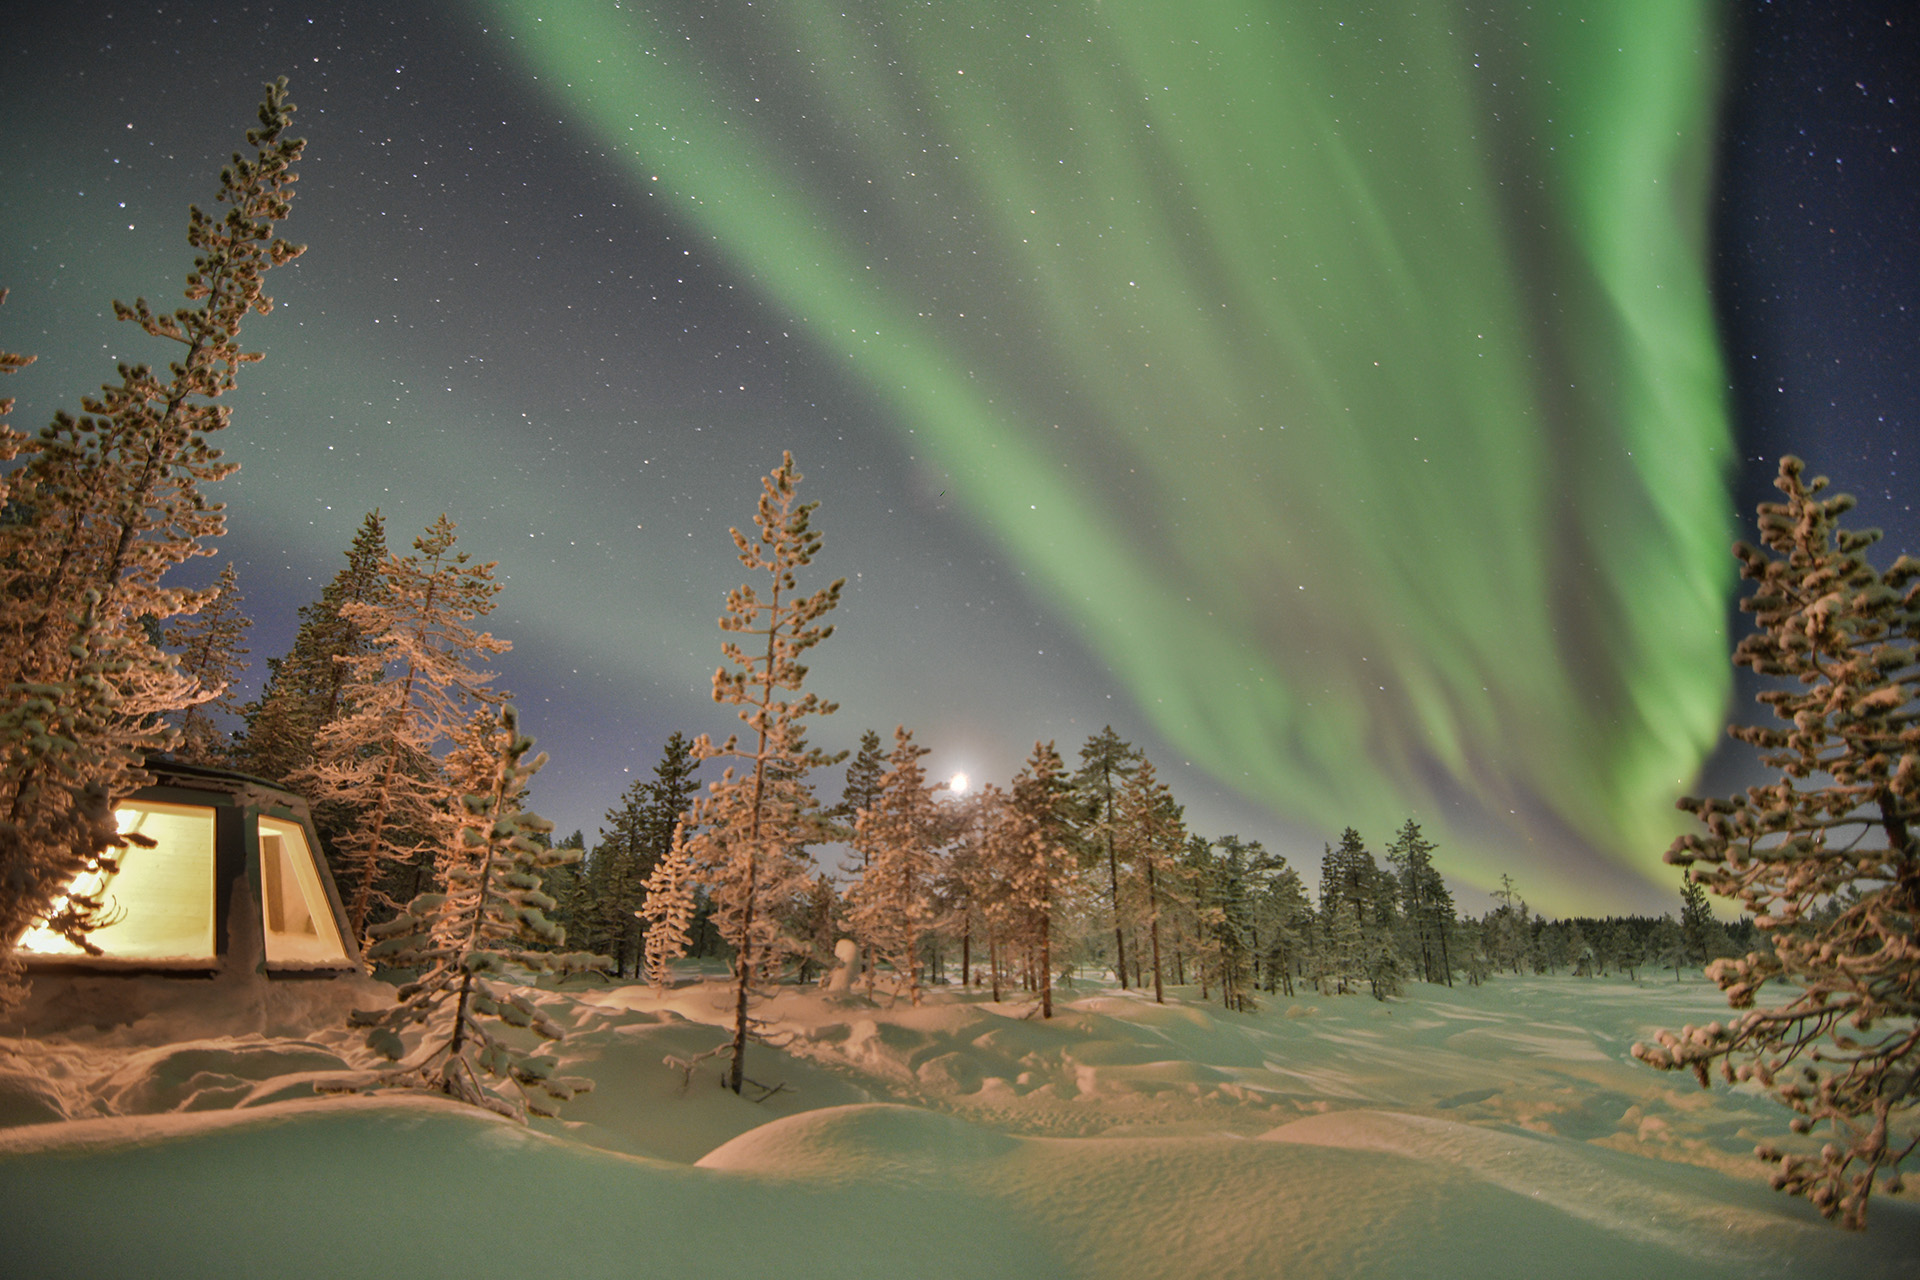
(642, 1106)
(204, 1075)
(874, 1142)
(27, 1099)
(1630, 1198)
(369, 1186)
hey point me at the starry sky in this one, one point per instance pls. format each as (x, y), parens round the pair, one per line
(1351, 404)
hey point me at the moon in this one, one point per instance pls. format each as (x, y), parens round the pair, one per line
(957, 784)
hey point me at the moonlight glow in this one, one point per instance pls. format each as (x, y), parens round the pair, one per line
(1347, 376)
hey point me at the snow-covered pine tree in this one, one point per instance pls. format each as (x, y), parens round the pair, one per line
(1667, 945)
(1106, 762)
(403, 699)
(1037, 845)
(1425, 900)
(562, 884)
(1504, 932)
(1349, 874)
(899, 838)
(1286, 925)
(1342, 946)
(1149, 834)
(1226, 920)
(646, 828)
(303, 689)
(99, 511)
(468, 942)
(210, 655)
(1581, 954)
(1706, 937)
(974, 882)
(1620, 948)
(1826, 858)
(616, 882)
(861, 790)
(668, 911)
(817, 925)
(1350, 900)
(754, 821)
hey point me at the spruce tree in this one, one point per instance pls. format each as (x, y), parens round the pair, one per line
(817, 925)
(616, 880)
(977, 881)
(1286, 925)
(1343, 949)
(1697, 924)
(1825, 858)
(861, 790)
(1106, 762)
(1226, 915)
(891, 906)
(1035, 843)
(304, 688)
(492, 915)
(1149, 834)
(1426, 901)
(637, 838)
(211, 656)
(754, 821)
(668, 911)
(403, 700)
(99, 508)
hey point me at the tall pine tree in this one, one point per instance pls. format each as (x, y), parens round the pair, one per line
(211, 656)
(1037, 851)
(1149, 835)
(100, 508)
(492, 914)
(1106, 762)
(754, 821)
(303, 692)
(899, 836)
(1424, 898)
(861, 790)
(404, 699)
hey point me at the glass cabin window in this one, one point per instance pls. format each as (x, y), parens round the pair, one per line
(160, 901)
(298, 918)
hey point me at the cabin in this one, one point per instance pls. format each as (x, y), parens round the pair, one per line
(234, 884)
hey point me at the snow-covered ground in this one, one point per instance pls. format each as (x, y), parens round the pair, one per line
(1497, 1131)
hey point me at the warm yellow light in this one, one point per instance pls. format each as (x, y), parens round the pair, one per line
(958, 784)
(160, 902)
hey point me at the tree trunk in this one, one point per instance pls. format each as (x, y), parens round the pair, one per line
(1046, 964)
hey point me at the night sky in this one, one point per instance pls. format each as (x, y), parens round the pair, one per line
(1353, 405)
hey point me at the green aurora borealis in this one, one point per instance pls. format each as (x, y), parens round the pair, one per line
(1345, 374)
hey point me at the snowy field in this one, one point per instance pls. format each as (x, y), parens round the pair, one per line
(1498, 1131)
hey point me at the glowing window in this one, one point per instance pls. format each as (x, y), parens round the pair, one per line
(160, 901)
(294, 907)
